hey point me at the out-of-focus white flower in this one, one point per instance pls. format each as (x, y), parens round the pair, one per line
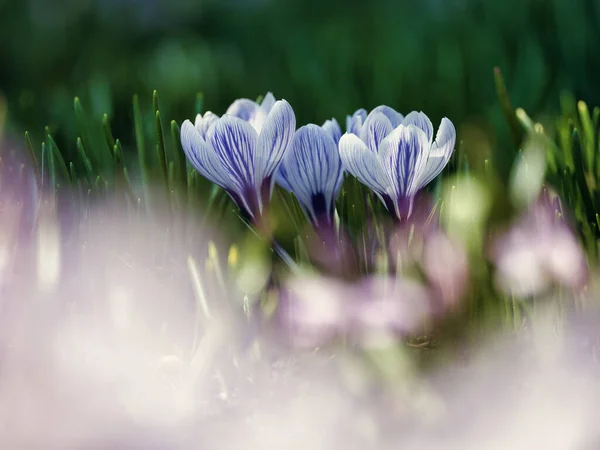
(313, 310)
(537, 251)
(446, 266)
(385, 308)
(374, 311)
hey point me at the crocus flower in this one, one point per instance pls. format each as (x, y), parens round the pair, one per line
(312, 170)
(396, 156)
(242, 150)
(539, 250)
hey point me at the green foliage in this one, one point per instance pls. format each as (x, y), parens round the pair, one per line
(327, 58)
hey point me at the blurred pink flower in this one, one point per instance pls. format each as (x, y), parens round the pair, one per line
(312, 310)
(539, 250)
(446, 266)
(385, 307)
(315, 311)
(422, 244)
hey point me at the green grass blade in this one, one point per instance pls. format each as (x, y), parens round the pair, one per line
(32, 155)
(139, 140)
(507, 107)
(110, 140)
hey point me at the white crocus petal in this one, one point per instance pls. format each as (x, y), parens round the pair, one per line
(234, 143)
(403, 155)
(198, 121)
(354, 122)
(249, 111)
(203, 123)
(420, 120)
(375, 129)
(201, 156)
(333, 128)
(361, 162)
(268, 102)
(274, 139)
(312, 167)
(393, 116)
(440, 154)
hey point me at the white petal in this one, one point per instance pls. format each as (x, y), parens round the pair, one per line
(420, 120)
(198, 121)
(203, 123)
(440, 154)
(394, 117)
(234, 144)
(361, 162)
(274, 140)
(354, 122)
(201, 156)
(249, 111)
(375, 129)
(333, 128)
(403, 155)
(281, 177)
(267, 103)
(312, 167)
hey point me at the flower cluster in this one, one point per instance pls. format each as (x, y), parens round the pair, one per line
(255, 145)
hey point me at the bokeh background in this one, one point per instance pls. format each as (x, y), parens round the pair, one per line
(327, 57)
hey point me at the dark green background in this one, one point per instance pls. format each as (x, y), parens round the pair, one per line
(326, 57)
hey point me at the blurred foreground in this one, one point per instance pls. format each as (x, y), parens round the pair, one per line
(117, 334)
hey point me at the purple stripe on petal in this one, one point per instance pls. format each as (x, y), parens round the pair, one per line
(440, 154)
(201, 156)
(361, 162)
(274, 140)
(420, 120)
(249, 111)
(234, 143)
(312, 169)
(394, 117)
(375, 129)
(354, 122)
(403, 155)
(281, 178)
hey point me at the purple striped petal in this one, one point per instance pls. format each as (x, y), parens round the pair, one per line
(375, 129)
(420, 120)
(201, 156)
(333, 128)
(249, 111)
(313, 170)
(403, 154)
(440, 153)
(234, 144)
(281, 178)
(203, 123)
(354, 122)
(394, 117)
(361, 162)
(274, 140)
